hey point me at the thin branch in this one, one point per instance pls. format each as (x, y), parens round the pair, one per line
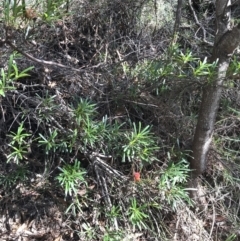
(44, 62)
(199, 24)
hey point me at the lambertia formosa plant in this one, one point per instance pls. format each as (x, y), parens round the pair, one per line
(7, 78)
(140, 145)
(71, 177)
(171, 184)
(19, 144)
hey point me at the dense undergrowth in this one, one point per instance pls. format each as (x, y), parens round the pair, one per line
(95, 140)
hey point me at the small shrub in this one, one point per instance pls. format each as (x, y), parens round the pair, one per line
(71, 177)
(171, 184)
(19, 144)
(140, 145)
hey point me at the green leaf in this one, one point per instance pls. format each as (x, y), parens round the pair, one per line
(2, 93)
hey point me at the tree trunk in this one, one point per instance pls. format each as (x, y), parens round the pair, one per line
(226, 41)
(178, 17)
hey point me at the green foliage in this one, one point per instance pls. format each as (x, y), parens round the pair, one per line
(114, 212)
(12, 74)
(137, 214)
(4, 86)
(72, 139)
(234, 67)
(82, 131)
(11, 11)
(232, 237)
(19, 137)
(19, 144)
(54, 9)
(17, 154)
(89, 232)
(93, 132)
(113, 135)
(50, 143)
(113, 236)
(85, 110)
(185, 58)
(175, 173)
(140, 145)
(71, 177)
(47, 108)
(12, 178)
(75, 207)
(204, 68)
(173, 66)
(151, 71)
(170, 183)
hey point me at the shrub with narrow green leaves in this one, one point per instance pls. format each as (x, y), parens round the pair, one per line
(137, 214)
(140, 145)
(19, 144)
(7, 78)
(171, 184)
(71, 177)
(85, 110)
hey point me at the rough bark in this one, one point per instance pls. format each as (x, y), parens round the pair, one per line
(178, 16)
(226, 41)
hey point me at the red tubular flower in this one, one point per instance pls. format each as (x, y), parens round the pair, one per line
(136, 176)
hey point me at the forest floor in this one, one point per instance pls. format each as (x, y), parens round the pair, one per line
(84, 57)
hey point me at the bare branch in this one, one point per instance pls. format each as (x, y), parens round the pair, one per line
(200, 25)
